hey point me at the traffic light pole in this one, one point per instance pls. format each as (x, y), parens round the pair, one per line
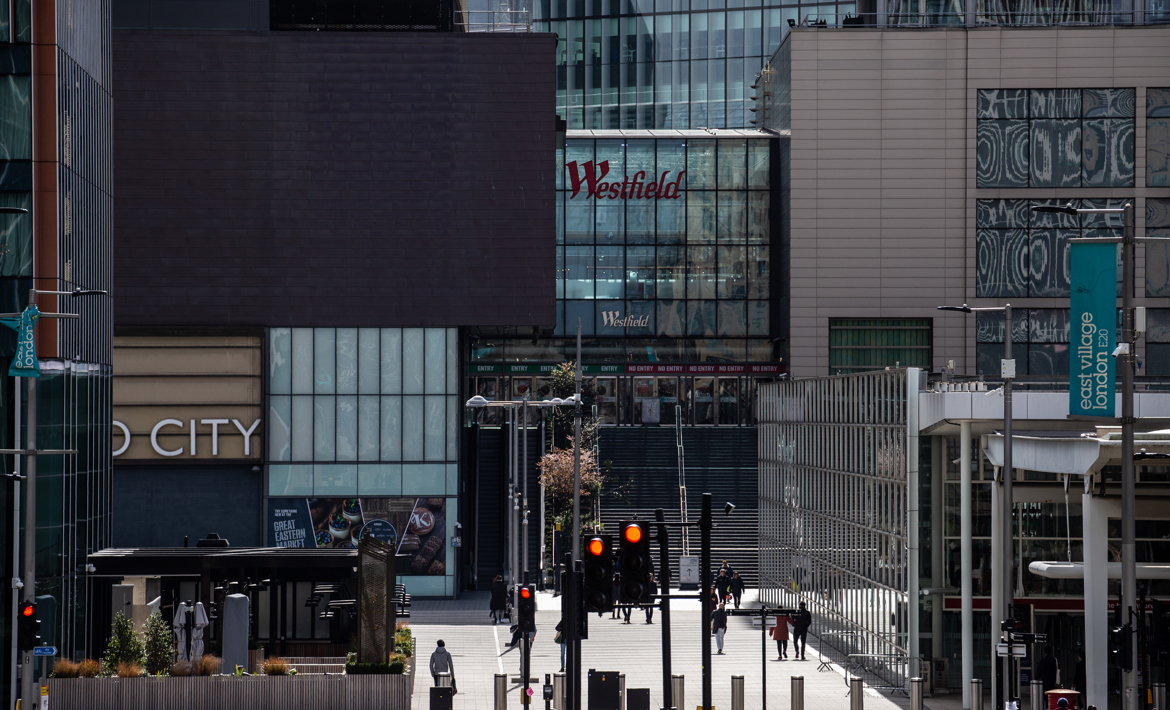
(664, 588)
(569, 630)
(705, 523)
(575, 552)
(30, 536)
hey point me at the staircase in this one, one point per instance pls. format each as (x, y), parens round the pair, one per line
(719, 460)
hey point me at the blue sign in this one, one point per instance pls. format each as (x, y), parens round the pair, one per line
(45, 651)
(24, 363)
(1093, 330)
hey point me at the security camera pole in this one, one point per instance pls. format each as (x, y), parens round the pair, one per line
(1008, 689)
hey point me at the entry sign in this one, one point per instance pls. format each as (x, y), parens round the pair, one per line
(1093, 330)
(44, 650)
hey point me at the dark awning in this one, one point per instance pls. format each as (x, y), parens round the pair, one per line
(196, 561)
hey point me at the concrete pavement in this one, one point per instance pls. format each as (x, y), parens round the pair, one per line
(480, 651)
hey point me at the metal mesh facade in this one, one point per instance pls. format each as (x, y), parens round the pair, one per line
(834, 510)
(375, 607)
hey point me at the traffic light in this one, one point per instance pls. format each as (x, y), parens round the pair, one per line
(28, 627)
(1121, 646)
(635, 564)
(527, 608)
(598, 564)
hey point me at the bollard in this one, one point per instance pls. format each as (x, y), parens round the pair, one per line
(501, 686)
(976, 694)
(1037, 688)
(677, 692)
(621, 691)
(797, 700)
(444, 680)
(917, 685)
(736, 692)
(856, 693)
(559, 691)
(1160, 696)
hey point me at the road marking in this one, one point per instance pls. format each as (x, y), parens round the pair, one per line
(496, 637)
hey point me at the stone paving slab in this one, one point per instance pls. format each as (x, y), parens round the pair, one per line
(479, 651)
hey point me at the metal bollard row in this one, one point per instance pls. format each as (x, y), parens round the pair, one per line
(678, 692)
(501, 692)
(917, 686)
(736, 692)
(976, 694)
(797, 692)
(856, 693)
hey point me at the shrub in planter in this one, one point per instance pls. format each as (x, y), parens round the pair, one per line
(396, 666)
(206, 665)
(181, 669)
(89, 668)
(125, 646)
(275, 666)
(128, 670)
(64, 668)
(159, 642)
(404, 641)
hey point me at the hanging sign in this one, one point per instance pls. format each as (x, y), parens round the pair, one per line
(1094, 330)
(24, 362)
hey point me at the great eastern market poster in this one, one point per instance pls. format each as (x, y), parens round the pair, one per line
(414, 526)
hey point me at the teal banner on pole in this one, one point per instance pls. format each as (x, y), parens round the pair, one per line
(24, 362)
(1093, 330)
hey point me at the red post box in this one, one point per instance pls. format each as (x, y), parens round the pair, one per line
(1054, 697)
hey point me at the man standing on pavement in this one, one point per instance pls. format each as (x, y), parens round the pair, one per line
(1047, 670)
(649, 608)
(800, 626)
(736, 588)
(441, 663)
(719, 625)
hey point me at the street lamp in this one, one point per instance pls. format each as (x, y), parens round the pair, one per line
(1125, 356)
(1007, 368)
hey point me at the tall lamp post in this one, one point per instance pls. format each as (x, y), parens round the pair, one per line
(1125, 357)
(1009, 688)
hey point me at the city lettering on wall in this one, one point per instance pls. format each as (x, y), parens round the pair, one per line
(636, 188)
(190, 427)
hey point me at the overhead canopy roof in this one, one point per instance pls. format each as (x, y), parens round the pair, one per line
(1077, 456)
(194, 561)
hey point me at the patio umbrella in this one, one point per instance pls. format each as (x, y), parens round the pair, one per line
(180, 627)
(197, 633)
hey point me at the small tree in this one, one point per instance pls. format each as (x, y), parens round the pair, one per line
(125, 645)
(159, 644)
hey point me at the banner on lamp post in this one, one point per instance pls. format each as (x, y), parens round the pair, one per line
(24, 362)
(1093, 326)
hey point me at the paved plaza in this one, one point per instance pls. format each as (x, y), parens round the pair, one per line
(480, 651)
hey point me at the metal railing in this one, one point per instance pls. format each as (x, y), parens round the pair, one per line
(995, 16)
(493, 21)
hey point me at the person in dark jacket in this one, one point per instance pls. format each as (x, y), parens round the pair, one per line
(617, 588)
(800, 624)
(723, 586)
(1079, 681)
(719, 626)
(1046, 670)
(498, 603)
(736, 588)
(649, 608)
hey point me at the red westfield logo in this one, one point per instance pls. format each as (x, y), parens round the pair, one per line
(592, 176)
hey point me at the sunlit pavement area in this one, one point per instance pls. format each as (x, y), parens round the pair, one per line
(479, 650)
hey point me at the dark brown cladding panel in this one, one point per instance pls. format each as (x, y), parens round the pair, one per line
(323, 179)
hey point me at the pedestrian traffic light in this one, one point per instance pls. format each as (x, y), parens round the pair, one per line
(28, 627)
(598, 565)
(527, 608)
(635, 565)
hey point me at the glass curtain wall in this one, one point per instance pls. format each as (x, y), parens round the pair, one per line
(370, 413)
(833, 509)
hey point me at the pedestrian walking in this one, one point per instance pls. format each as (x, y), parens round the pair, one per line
(441, 663)
(723, 585)
(780, 635)
(719, 626)
(1079, 676)
(800, 624)
(560, 639)
(498, 602)
(649, 608)
(736, 588)
(1047, 669)
(617, 594)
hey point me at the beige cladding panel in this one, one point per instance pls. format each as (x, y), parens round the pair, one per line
(184, 378)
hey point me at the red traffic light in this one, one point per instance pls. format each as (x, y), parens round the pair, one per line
(525, 592)
(596, 547)
(633, 534)
(28, 610)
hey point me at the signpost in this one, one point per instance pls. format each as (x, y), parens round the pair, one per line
(45, 651)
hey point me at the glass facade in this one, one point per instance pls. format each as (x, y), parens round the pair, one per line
(367, 415)
(858, 345)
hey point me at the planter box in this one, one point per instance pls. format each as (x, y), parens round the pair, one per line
(340, 692)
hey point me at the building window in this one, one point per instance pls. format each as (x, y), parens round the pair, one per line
(859, 345)
(1157, 137)
(363, 411)
(1158, 342)
(1039, 341)
(1055, 138)
(1020, 253)
(1157, 255)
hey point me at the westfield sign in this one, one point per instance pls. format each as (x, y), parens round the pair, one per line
(593, 178)
(613, 319)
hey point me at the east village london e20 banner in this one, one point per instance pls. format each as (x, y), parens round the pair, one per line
(1093, 303)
